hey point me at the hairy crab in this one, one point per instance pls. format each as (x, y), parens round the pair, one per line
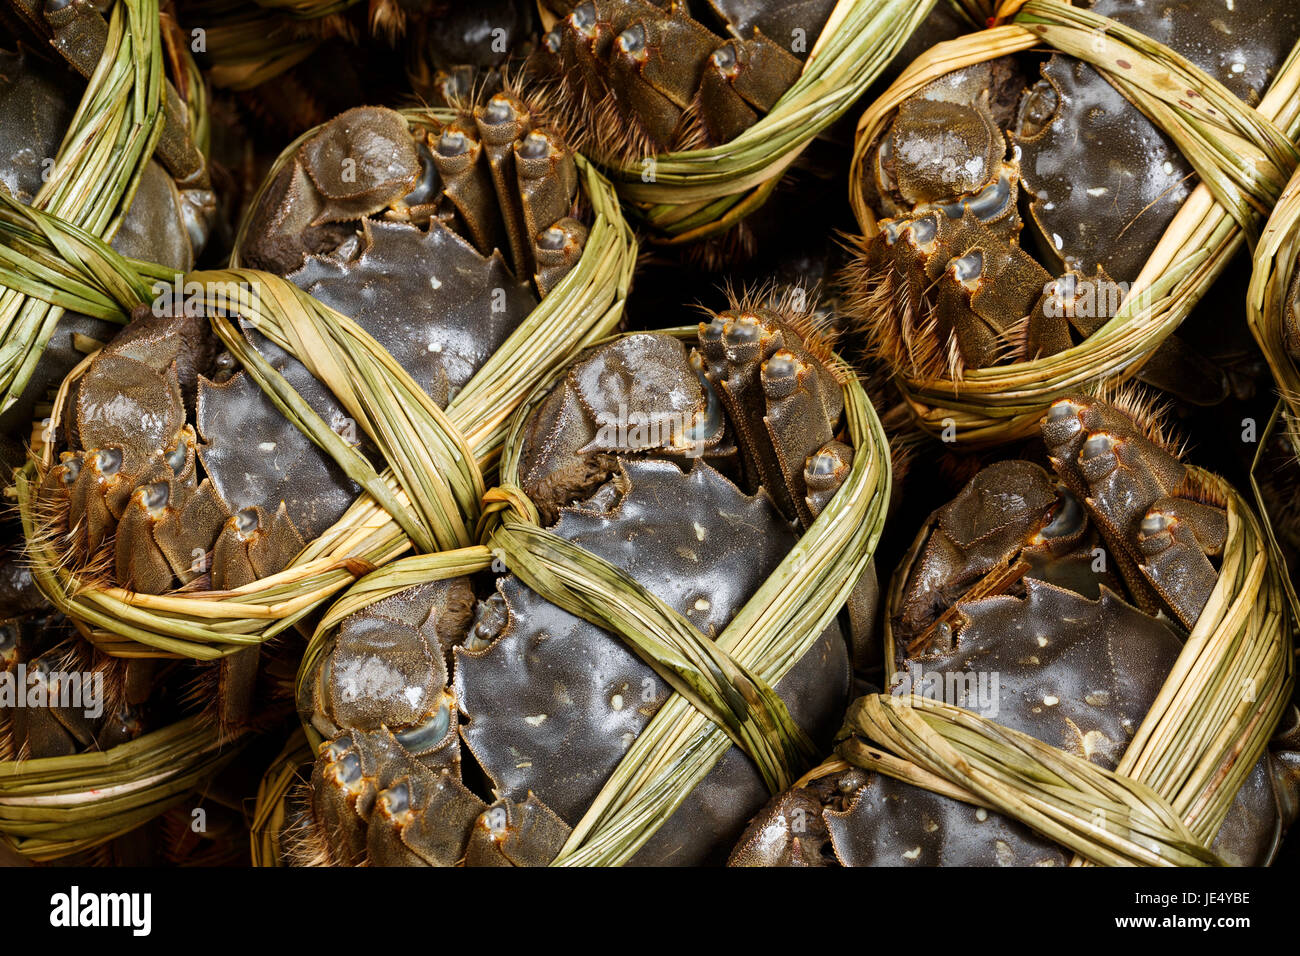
(176, 466)
(694, 471)
(58, 695)
(1015, 210)
(1058, 601)
(637, 78)
(172, 467)
(168, 221)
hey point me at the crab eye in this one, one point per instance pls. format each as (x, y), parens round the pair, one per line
(553, 41)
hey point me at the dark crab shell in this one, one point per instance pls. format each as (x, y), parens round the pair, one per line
(548, 703)
(1004, 608)
(554, 702)
(1100, 185)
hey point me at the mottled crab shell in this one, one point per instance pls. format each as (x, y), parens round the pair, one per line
(548, 702)
(1105, 181)
(554, 702)
(166, 467)
(197, 468)
(497, 176)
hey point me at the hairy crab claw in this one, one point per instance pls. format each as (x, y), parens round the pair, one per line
(635, 78)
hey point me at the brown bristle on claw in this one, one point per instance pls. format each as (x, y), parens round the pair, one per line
(1147, 410)
(796, 308)
(889, 324)
(303, 844)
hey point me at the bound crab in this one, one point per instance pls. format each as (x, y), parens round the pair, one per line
(169, 218)
(174, 469)
(172, 455)
(638, 78)
(424, 696)
(1059, 601)
(58, 696)
(1015, 210)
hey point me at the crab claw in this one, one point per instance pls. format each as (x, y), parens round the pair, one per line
(743, 79)
(251, 546)
(547, 184)
(501, 122)
(467, 183)
(516, 834)
(783, 400)
(344, 784)
(1144, 500)
(557, 250)
(824, 473)
(423, 819)
(1176, 538)
(140, 564)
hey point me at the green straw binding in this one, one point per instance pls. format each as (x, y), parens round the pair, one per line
(55, 806)
(688, 195)
(1172, 789)
(439, 460)
(1244, 157)
(94, 177)
(723, 688)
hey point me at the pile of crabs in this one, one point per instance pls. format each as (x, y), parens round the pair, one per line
(466, 719)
